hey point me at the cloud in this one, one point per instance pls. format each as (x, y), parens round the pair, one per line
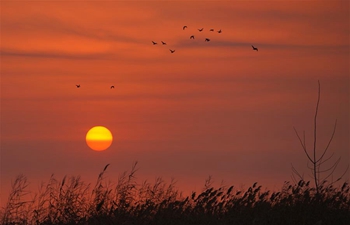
(61, 55)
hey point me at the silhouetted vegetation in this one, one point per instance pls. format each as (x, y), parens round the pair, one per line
(317, 160)
(72, 201)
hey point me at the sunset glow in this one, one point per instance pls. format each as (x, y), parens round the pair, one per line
(210, 105)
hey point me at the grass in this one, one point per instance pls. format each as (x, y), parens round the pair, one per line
(126, 202)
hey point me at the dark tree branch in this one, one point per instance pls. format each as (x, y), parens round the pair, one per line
(330, 168)
(301, 177)
(334, 167)
(320, 163)
(304, 147)
(315, 136)
(330, 140)
(316, 162)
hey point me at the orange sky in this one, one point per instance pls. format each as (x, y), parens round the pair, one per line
(212, 108)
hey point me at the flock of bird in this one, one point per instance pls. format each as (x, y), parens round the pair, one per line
(191, 37)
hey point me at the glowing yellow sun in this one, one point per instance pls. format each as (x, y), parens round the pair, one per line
(99, 138)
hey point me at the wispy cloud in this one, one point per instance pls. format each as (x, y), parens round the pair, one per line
(61, 55)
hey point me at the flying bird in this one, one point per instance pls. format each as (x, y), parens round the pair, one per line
(112, 86)
(192, 37)
(163, 43)
(184, 27)
(172, 51)
(254, 48)
(207, 39)
(154, 43)
(219, 31)
(78, 85)
(200, 30)
(211, 29)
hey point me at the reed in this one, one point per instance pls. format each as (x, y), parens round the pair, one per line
(72, 201)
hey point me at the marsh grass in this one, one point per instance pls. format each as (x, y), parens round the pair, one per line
(72, 201)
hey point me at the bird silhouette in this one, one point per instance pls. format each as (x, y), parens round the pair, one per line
(192, 37)
(200, 30)
(207, 39)
(254, 48)
(184, 27)
(212, 29)
(172, 51)
(154, 43)
(112, 86)
(219, 31)
(163, 43)
(78, 85)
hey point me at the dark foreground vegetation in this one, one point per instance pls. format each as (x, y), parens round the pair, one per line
(71, 201)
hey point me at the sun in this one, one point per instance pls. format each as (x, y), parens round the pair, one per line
(99, 138)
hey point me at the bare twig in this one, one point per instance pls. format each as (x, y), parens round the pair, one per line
(317, 162)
